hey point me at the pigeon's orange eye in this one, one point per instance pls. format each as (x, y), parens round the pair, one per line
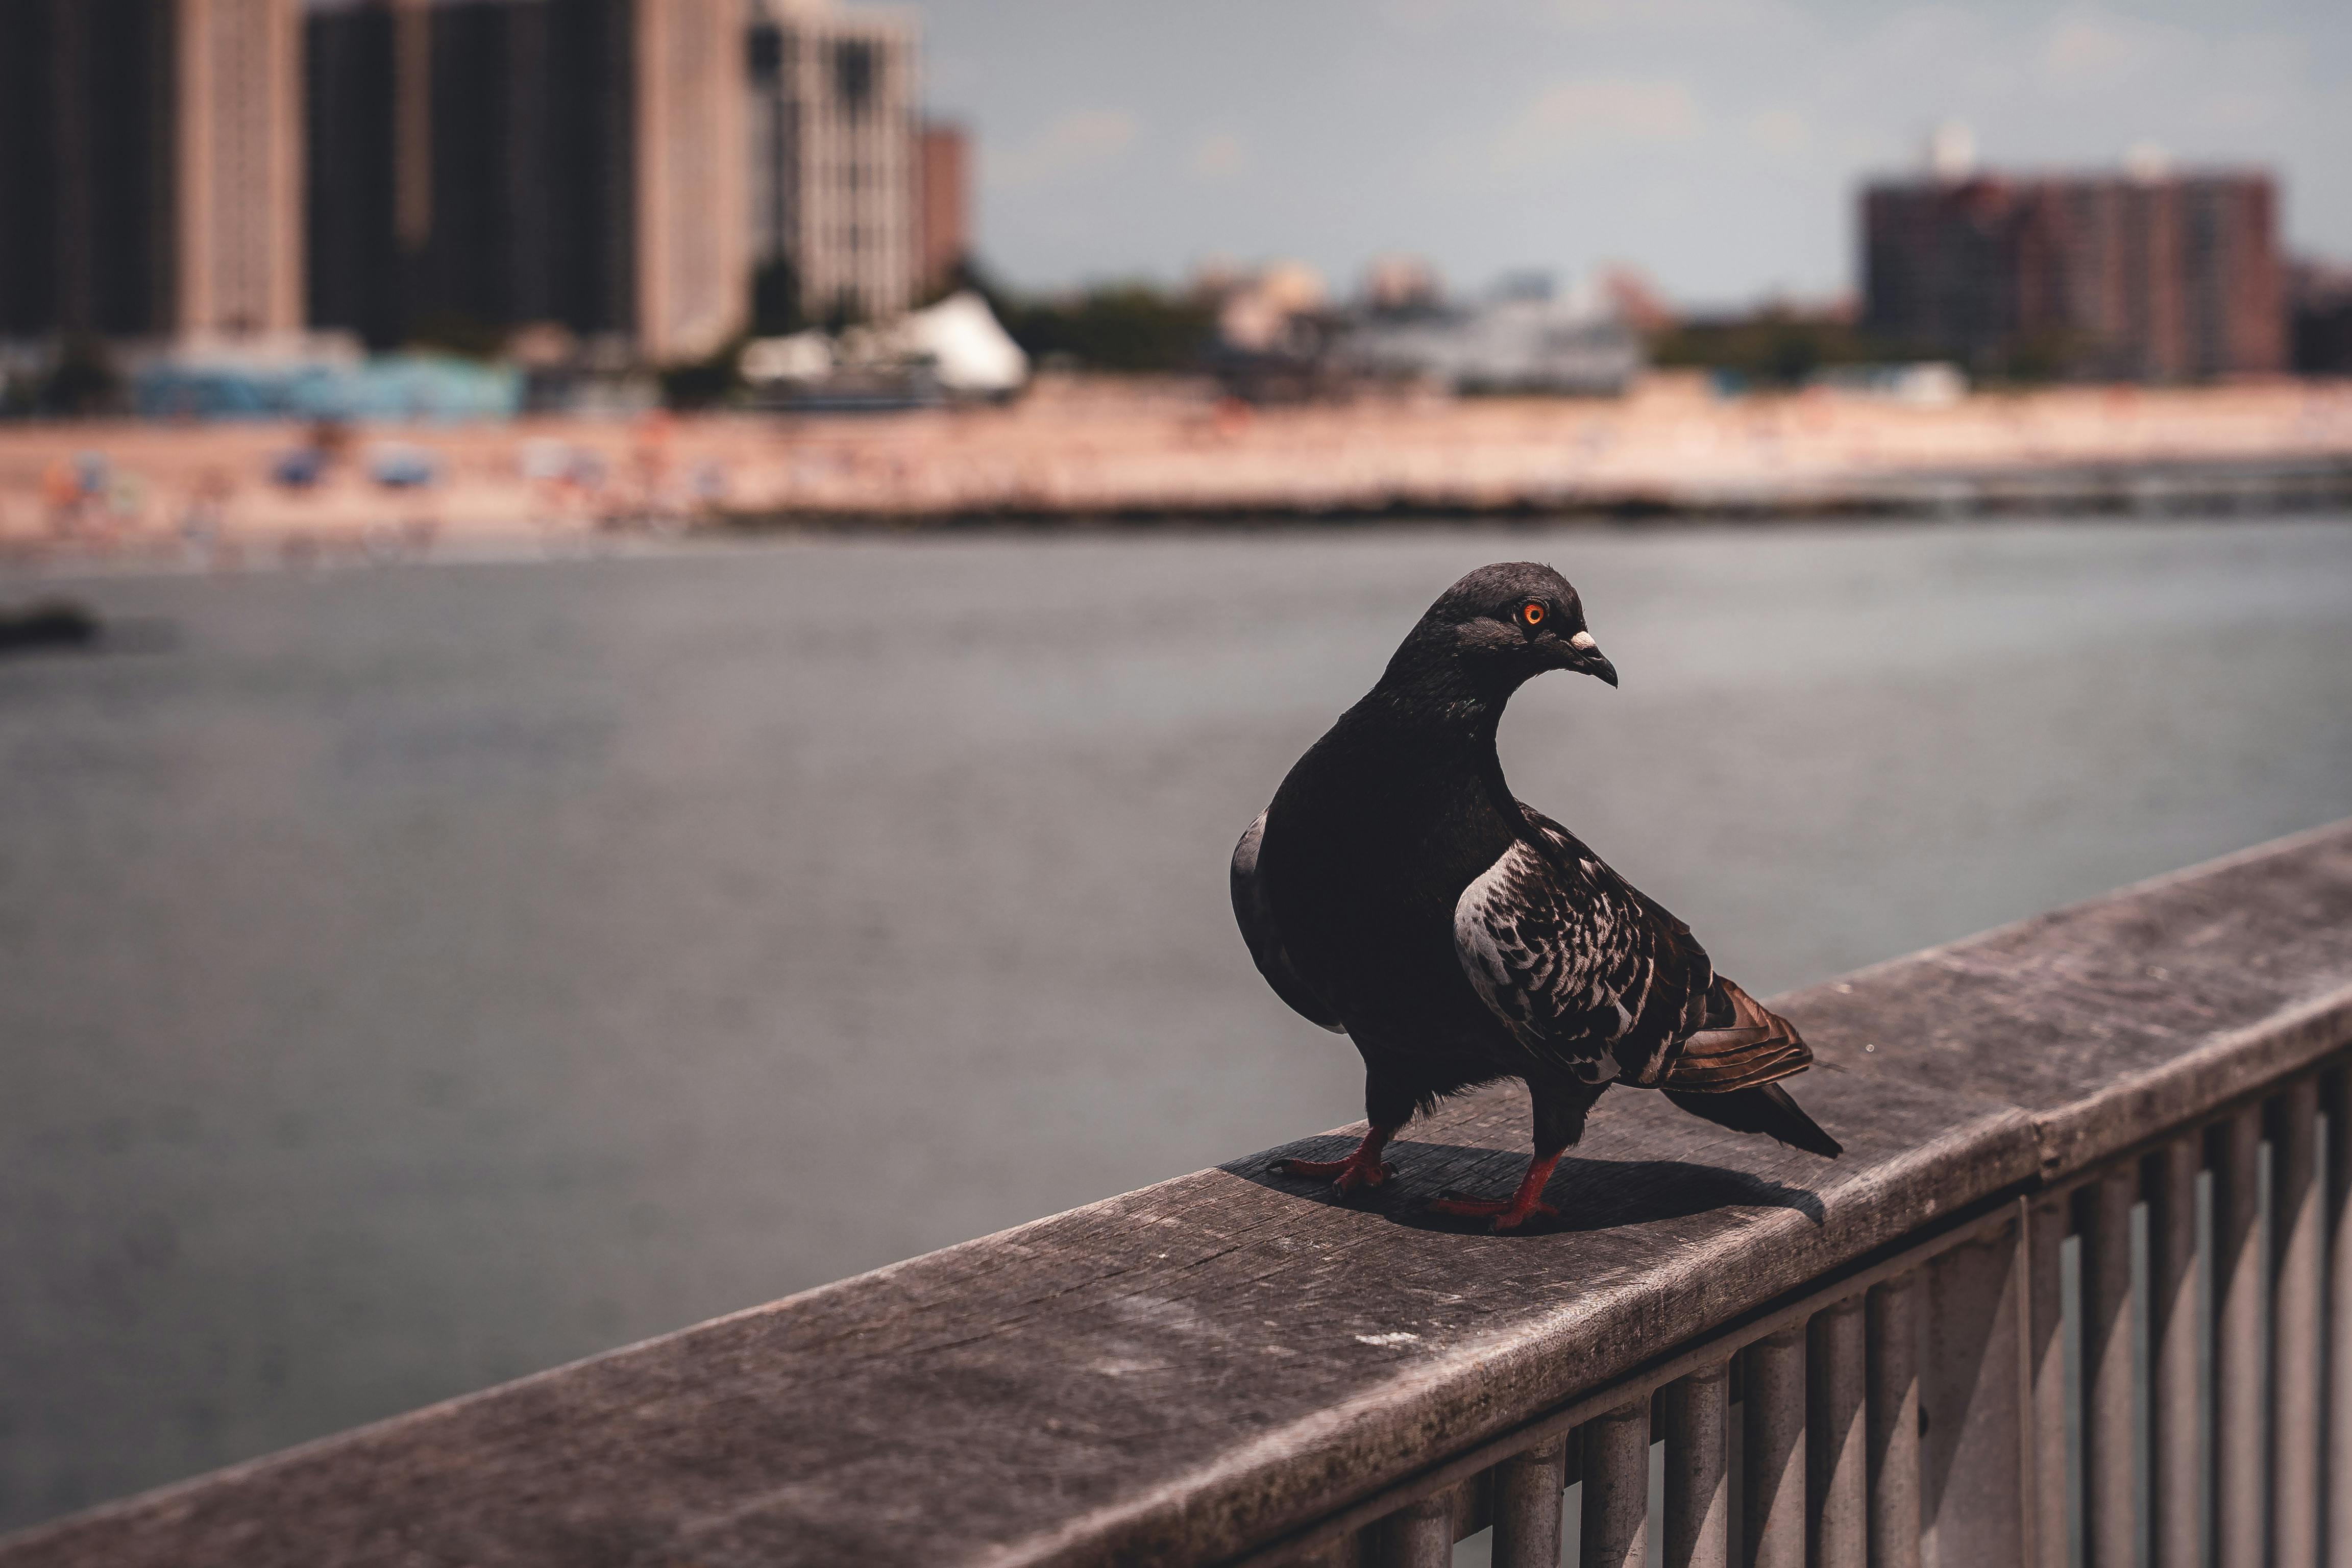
(1531, 613)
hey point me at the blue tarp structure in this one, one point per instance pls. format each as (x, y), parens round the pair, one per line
(388, 388)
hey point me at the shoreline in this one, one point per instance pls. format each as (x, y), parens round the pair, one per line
(2153, 489)
(1097, 454)
(24, 572)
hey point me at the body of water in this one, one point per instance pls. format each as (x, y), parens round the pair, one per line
(413, 977)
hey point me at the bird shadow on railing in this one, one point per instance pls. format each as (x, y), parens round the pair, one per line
(1590, 1195)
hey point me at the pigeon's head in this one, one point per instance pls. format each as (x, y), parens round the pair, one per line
(1504, 624)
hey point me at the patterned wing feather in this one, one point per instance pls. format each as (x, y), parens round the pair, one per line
(1587, 973)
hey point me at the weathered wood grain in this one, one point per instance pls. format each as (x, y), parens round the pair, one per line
(1205, 1366)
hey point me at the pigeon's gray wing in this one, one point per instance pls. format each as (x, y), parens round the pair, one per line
(1256, 917)
(1590, 975)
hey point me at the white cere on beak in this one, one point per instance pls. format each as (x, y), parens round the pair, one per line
(1581, 639)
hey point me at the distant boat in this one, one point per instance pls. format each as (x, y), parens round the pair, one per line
(48, 624)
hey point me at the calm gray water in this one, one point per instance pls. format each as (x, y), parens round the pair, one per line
(413, 977)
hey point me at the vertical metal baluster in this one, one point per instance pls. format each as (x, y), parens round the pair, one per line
(2339, 1492)
(2176, 1537)
(1894, 1424)
(2294, 1327)
(1836, 1441)
(1976, 1401)
(1616, 1526)
(1527, 1489)
(2240, 1495)
(2103, 1211)
(1418, 1535)
(1698, 1486)
(2045, 1235)
(1772, 1516)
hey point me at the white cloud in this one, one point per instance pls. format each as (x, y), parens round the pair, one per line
(1919, 45)
(1218, 158)
(1083, 142)
(1679, 16)
(2248, 109)
(1785, 131)
(1682, 16)
(2093, 52)
(1573, 117)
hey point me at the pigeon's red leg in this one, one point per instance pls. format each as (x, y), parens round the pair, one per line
(1364, 1168)
(1514, 1211)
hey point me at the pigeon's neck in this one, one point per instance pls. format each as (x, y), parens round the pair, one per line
(1463, 719)
(1441, 729)
(1428, 690)
(1433, 718)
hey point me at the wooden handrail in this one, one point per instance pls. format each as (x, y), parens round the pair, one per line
(1194, 1371)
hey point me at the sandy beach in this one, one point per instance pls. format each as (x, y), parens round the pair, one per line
(1082, 448)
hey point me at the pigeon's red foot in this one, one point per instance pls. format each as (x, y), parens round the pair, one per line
(1508, 1214)
(1347, 1174)
(1364, 1168)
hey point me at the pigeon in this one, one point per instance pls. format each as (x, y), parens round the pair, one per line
(1396, 892)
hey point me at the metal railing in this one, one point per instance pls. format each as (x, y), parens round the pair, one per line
(2180, 1400)
(2081, 1290)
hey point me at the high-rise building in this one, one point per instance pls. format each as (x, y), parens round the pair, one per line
(461, 168)
(835, 179)
(239, 159)
(487, 164)
(2147, 276)
(693, 175)
(152, 181)
(358, 259)
(2320, 308)
(946, 225)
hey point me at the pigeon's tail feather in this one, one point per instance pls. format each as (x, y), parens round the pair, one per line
(1742, 1044)
(1727, 1071)
(1767, 1109)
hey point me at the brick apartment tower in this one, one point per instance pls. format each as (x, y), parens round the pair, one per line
(835, 177)
(2160, 279)
(154, 170)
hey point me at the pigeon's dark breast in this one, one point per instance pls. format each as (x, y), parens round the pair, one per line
(1363, 869)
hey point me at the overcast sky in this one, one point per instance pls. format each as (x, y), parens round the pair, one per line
(1714, 143)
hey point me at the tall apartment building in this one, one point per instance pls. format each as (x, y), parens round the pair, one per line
(485, 165)
(151, 167)
(693, 176)
(946, 216)
(360, 259)
(2156, 276)
(195, 168)
(834, 162)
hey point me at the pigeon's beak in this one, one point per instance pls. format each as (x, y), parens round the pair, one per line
(1585, 658)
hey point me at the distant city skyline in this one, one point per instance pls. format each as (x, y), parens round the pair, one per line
(1718, 145)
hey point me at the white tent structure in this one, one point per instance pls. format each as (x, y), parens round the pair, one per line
(968, 351)
(957, 344)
